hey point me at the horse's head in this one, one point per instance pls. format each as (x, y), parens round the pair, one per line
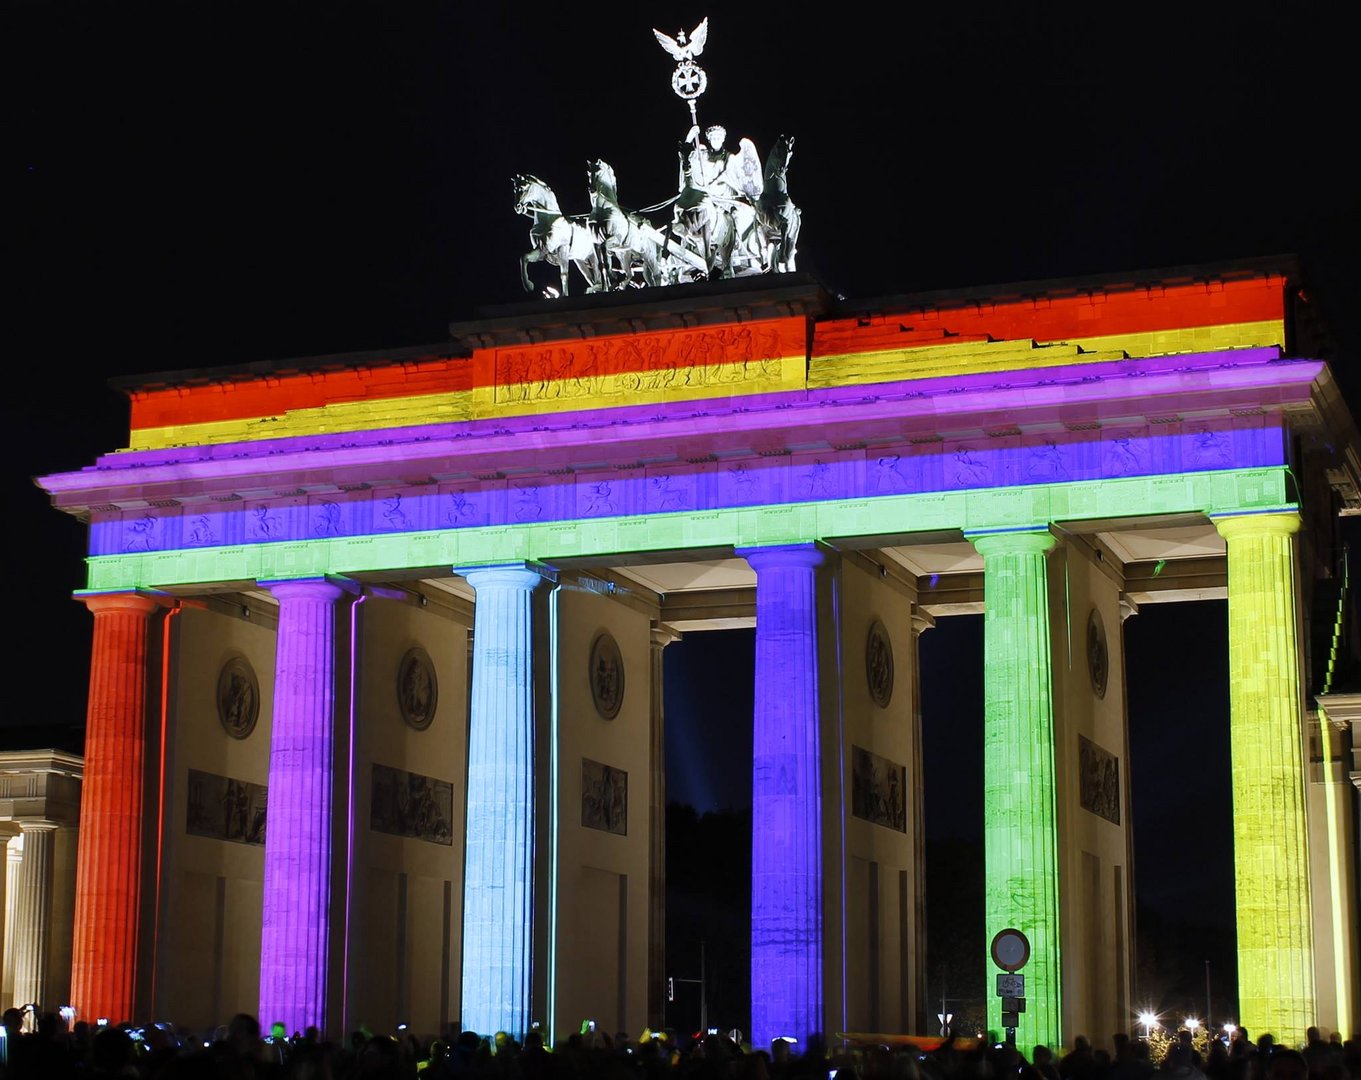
(780, 153)
(533, 194)
(600, 175)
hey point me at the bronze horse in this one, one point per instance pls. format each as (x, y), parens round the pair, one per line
(624, 239)
(557, 239)
(776, 215)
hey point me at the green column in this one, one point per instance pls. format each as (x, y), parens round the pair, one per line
(1020, 829)
(1270, 852)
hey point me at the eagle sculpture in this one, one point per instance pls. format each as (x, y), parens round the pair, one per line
(680, 49)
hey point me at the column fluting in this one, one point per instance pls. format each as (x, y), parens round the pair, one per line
(109, 856)
(296, 917)
(498, 884)
(1270, 848)
(1020, 829)
(786, 842)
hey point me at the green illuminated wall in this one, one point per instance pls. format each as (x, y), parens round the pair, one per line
(1275, 951)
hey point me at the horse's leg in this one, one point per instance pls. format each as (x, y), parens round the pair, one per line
(792, 238)
(559, 258)
(534, 256)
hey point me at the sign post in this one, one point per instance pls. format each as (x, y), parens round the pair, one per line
(1010, 951)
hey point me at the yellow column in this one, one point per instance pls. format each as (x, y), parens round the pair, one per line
(1271, 859)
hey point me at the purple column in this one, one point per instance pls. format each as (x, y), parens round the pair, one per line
(786, 838)
(498, 880)
(296, 929)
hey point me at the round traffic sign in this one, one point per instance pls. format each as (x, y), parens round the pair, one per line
(1010, 949)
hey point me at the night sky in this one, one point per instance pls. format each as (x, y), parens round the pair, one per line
(196, 186)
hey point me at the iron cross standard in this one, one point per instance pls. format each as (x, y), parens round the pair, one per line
(689, 79)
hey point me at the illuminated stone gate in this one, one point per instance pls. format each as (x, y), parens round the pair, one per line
(417, 600)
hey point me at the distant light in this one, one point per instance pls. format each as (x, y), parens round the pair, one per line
(1192, 1023)
(1230, 1028)
(1148, 1019)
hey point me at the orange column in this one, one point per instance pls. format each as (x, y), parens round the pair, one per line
(108, 864)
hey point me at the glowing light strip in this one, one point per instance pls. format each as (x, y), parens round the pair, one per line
(352, 787)
(554, 815)
(175, 609)
(1336, 865)
(1336, 873)
(1223, 491)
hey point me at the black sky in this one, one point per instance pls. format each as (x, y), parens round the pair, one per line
(197, 185)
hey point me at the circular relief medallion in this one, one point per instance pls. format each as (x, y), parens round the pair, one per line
(879, 664)
(417, 688)
(607, 675)
(1098, 659)
(238, 697)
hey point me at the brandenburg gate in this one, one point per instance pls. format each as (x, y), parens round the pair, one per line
(375, 724)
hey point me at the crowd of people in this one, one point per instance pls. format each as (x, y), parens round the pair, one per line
(240, 1050)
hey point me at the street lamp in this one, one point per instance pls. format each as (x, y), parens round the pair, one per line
(1149, 1020)
(1191, 1023)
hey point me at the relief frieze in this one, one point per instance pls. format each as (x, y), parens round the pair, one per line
(640, 364)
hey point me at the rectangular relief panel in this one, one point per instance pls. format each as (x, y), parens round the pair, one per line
(604, 798)
(1099, 780)
(409, 804)
(878, 790)
(223, 808)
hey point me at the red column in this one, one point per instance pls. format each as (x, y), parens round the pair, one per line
(108, 863)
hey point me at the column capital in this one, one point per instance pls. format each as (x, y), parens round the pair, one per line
(37, 825)
(326, 587)
(524, 575)
(137, 602)
(762, 558)
(1037, 541)
(1232, 526)
(663, 635)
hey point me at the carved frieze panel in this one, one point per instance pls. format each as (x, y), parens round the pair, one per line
(409, 804)
(878, 790)
(604, 797)
(223, 808)
(1098, 780)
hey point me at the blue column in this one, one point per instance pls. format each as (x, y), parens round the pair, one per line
(498, 881)
(786, 840)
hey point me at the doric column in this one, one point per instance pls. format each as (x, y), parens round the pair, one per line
(786, 794)
(1271, 860)
(296, 919)
(498, 882)
(656, 882)
(34, 904)
(1020, 834)
(108, 863)
(14, 858)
